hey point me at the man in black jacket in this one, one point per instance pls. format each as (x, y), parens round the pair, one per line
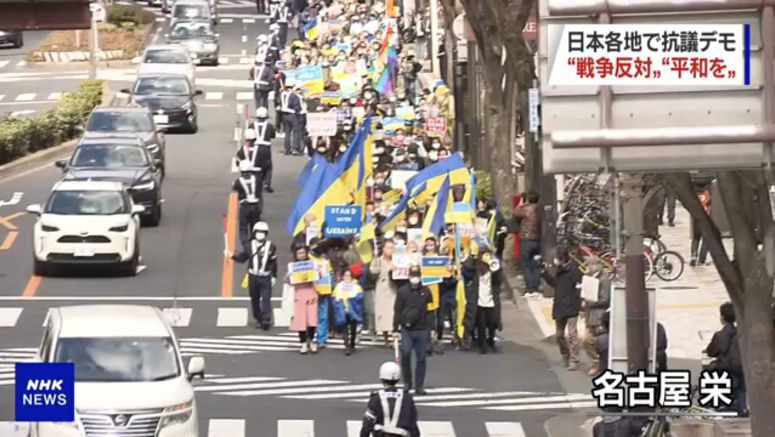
(565, 277)
(391, 411)
(410, 315)
(725, 351)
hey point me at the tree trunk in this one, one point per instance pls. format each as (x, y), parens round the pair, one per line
(748, 279)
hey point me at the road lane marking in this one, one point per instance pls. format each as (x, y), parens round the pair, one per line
(199, 351)
(358, 396)
(484, 402)
(248, 20)
(296, 428)
(226, 428)
(232, 317)
(558, 406)
(25, 97)
(244, 379)
(504, 429)
(214, 95)
(55, 96)
(227, 280)
(354, 428)
(297, 390)
(244, 95)
(15, 198)
(9, 316)
(436, 429)
(2, 96)
(223, 60)
(21, 64)
(226, 20)
(9, 239)
(178, 316)
(3, 63)
(8, 219)
(266, 385)
(32, 286)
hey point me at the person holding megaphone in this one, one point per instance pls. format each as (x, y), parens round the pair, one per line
(484, 275)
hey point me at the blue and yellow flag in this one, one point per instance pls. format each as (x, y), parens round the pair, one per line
(357, 164)
(316, 160)
(311, 29)
(434, 217)
(433, 176)
(323, 187)
(397, 213)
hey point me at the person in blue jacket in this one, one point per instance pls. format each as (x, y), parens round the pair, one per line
(348, 308)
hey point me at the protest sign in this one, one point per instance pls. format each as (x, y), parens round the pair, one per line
(416, 235)
(589, 288)
(431, 281)
(358, 112)
(342, 220)
(303, 271)
(333, 98)
(392, 124)
(401, 266)
(405, 112)
(436, 126)
(461, 213)
(398, 178)
(436, 266)
(324, 285)
(310, 77)
(312, 232)
(321, 124)
(481, 225)
(348, 86)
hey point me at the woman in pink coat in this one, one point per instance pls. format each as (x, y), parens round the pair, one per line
(305, 307)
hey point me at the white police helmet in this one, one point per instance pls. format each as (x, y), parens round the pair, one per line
(261, 112)
(274, 26)
(262, 38)
(290, 82)
(245, 166)
(389, 371)
(261, 227)
(250, 134)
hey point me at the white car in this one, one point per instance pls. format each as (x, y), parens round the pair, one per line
(129, 376)
(87, 222)
(194, 10)
(167, 59)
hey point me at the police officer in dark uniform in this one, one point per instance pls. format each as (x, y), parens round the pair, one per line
(249, 192)
(282, 16)
(265, 133)
(391, 411)
(261, 7)
(263, 81)
(261, 257)
(291, 106)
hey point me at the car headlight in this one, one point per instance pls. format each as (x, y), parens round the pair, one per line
(179, 413)
(144, 185)
(187, 106)
(211, 46)
(48, 228)
(120, 228)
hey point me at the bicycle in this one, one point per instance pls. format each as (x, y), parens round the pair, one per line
(611, 264)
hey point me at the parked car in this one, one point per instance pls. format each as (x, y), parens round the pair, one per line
(130, 377)
(123, 120)
(169, 97)
(123, 160)
(12, 37)
(87, 222)
(194, 9)
(167, 59)
(198, 37)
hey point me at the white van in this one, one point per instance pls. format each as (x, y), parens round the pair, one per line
(194, 10)
(129, 376)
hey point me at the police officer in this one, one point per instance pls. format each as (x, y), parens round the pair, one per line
(282, 16)
(275, 43)
(291, 106)
(262, 48)
(261, 256)
(262, 76)
(391, 411)
(248, 187)
(261, 7)
(264, 135)
(249, 151)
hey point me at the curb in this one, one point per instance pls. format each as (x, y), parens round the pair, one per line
(40, 158)
(66, 57)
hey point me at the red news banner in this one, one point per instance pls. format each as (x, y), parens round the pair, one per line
(649, 54)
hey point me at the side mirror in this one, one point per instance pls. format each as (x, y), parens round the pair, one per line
(61, 163)
(196, 367)
(34, 209)
(157, 163)
(198, 93)
(138, 209)
(79, 128)
(125, 91)
(137, 60)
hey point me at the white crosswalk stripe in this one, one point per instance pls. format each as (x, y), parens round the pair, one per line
(214, 95)
(226, 20)
(2, 96)
(248, 20)
(9, 316)
(55, 96)
(223, 60)
(178, 316)
(232, 317)
(25, 97)
(4, 63)
(245, 95)
(307, 428)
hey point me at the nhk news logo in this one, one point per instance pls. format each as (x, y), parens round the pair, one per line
(649, 54)
(668, 389)
(45, 392)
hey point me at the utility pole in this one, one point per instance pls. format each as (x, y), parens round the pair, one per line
(97, 14)
(436, 65)
(637, 302)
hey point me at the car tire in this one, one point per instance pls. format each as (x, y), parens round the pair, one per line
(19, 42)
(154, 218)
(129, 268)
(40, 268)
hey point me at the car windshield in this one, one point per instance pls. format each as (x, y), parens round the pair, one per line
(86, 203)
(110, 121)
(165, 57)
(191, 11)
(119, 359)
(109, 156)
(162, 86)
(187, 30)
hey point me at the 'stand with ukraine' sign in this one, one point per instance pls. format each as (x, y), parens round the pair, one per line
(342, 221)
(45, 392)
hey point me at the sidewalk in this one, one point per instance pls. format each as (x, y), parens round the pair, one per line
(687, 307)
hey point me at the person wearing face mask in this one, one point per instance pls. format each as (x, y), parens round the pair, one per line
(410, 324)
(260, 254)
(415, 220)
(263, 76)
(291, 105)
(249, 194)
(390, 411)
(486, 278)
(323, 287)
(385, 290)
(564, 276)
(305, 307)
(264, 135)
(401, 235)
(348, 308)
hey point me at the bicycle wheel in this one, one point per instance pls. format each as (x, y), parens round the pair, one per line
(655, 245)
(620, 268)
(669, 265)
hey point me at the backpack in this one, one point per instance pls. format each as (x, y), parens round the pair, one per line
(410, 316)
(732, 361)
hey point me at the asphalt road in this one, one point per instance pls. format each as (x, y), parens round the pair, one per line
(255, 379)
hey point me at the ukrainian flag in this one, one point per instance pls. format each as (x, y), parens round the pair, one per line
(324, 187)
(356, 161)
(434, 217)
(432, 177)
(311, 29)
(365, 249)
(316, 160)
(398, 212)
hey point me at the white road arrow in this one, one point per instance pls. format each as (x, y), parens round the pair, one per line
(15, 198)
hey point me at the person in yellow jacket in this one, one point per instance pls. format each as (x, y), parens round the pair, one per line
(324, 287)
